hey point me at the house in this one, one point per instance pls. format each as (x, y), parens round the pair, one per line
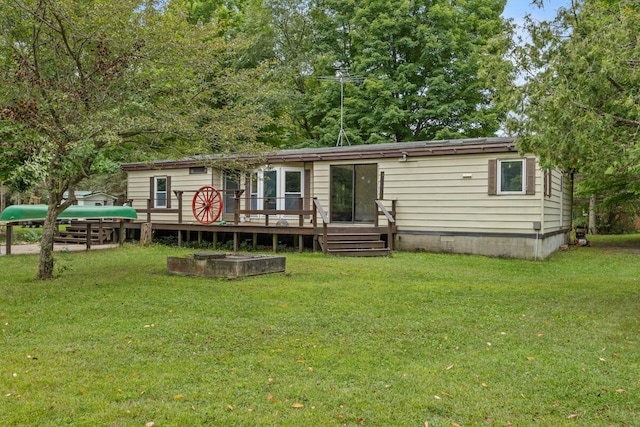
(472, 196)
(92, 198)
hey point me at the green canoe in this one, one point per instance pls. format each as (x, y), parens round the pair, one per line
(34, 212)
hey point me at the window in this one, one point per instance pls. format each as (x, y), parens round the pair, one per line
(254, 191)
(160, 194)
(292, 189)
(278, 188)
(231, 184)
(198, 170)
(511, 176)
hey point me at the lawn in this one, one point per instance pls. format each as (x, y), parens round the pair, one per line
(412, 340)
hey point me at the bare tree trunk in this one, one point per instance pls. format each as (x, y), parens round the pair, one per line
(45, 267)
(592, 215)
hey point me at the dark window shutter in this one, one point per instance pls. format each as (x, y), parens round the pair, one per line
(152, 191)
(531, 175)
(493, 177)
(307, 189)
(168, 192)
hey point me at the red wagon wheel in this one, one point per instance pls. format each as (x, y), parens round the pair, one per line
(207, 204)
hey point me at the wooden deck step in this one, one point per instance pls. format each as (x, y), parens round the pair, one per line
(354, 244)
(360, 252)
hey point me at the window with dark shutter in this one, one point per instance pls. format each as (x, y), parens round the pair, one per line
(517, 176)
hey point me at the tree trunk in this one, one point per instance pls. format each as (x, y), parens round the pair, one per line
(45, 267)
(592, 215)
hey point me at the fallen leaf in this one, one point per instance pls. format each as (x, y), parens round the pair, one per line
(269, 396)
(484, 385)
(437, 397)
(556, 403)
(297, 405)
(619, 391)
(572, 416)
(489, 344)
(178, 396)
(602, 359)
(230, 407)
(455, 424)
(360, 420)
(530, 358)
(448, 367)
(426, 424)
(149, 424)
(299, 361)
(540, 335)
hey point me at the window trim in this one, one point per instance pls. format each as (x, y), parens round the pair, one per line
(156, 192)
(523, 185)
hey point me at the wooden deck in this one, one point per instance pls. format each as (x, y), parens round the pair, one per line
(256, 234)
(308, 226)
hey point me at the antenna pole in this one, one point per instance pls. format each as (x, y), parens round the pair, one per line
(342, 76)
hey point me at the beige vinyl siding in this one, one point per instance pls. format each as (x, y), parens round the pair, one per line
(138, 190)
(437, 194)
(433, 195)
(557, 209)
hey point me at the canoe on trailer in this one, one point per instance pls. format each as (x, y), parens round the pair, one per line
(30, 212)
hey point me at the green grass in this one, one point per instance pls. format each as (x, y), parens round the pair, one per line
(444, 339)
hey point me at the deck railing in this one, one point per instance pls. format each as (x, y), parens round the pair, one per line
(381, 210)
(318, 209)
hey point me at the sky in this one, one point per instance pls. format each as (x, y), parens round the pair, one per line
(517, 9)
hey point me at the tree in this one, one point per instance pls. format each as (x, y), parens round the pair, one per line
(420, 63)
(88, 83)
(577, 101)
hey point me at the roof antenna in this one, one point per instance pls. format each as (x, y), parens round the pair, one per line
(342, 75)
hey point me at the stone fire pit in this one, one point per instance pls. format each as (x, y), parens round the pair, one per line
(216, 264)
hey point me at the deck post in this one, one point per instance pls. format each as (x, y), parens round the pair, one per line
(179, 238)
(300, 243)
(236, 207)
(255, 241)
(215, 240)
(9, 239)
(100, 231)
(149, 210)
(275, 242)
(199, 237)
(314, 223)
(178, 194)
(121, 232)
(325, 234)
(235, 241)
(300, 207)
(88, 235)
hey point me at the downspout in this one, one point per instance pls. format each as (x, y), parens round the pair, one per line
(537, 226)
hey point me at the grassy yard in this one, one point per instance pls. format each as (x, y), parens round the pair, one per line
(412, 340)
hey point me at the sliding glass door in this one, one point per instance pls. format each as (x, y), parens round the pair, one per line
(353, 192)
